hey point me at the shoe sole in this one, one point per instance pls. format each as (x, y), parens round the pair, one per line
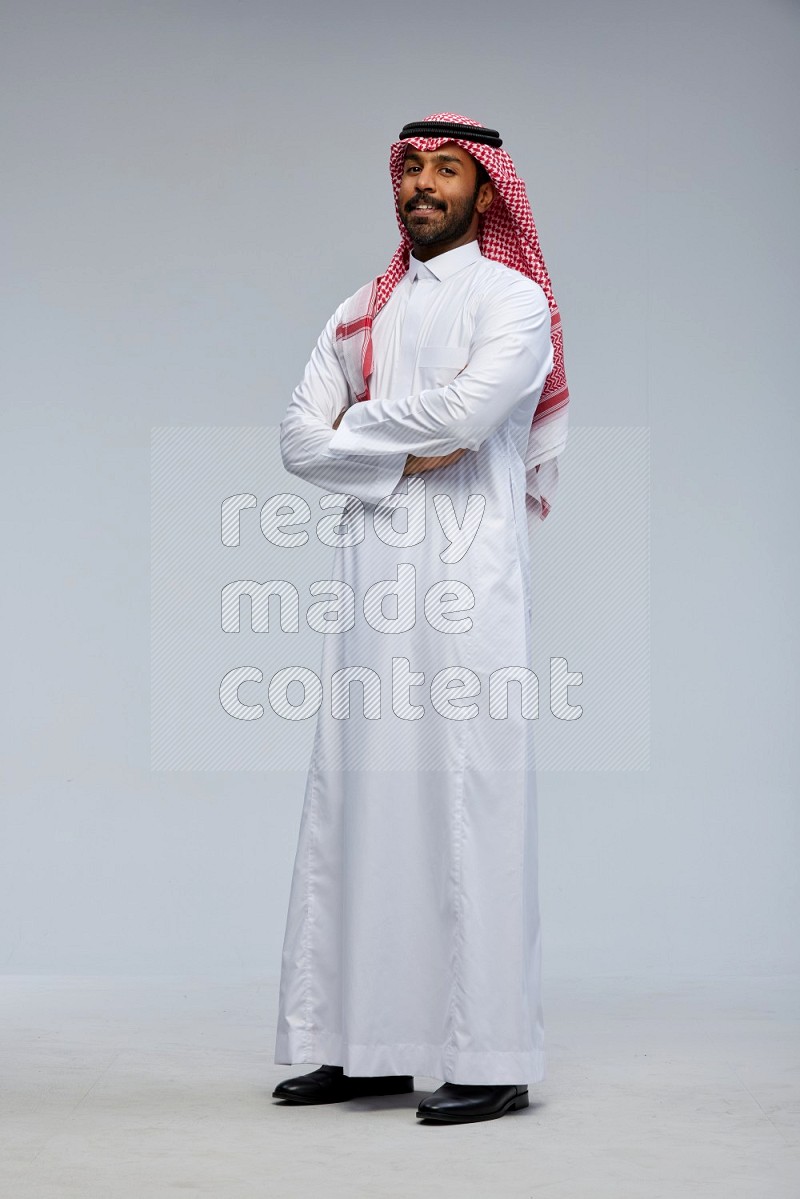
(515, 1104)
(278, 1094)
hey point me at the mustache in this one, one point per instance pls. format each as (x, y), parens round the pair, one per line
(420, 202)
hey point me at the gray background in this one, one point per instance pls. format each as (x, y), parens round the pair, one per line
(189, 189)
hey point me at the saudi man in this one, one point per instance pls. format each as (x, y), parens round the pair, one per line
(431, 414)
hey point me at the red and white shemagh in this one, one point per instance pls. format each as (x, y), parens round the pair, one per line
(506, 234)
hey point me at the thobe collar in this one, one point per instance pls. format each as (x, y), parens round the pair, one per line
(442, 266)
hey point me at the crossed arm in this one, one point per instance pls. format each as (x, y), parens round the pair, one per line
(416, 465)
(364, 449)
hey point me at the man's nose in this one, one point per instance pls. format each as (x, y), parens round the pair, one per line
(424, 181)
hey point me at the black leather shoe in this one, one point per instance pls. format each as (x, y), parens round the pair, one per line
(461, 1104)
(330, 1084)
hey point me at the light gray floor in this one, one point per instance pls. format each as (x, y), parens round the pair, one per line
(150, 1087)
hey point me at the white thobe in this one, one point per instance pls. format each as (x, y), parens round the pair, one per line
(413, 941)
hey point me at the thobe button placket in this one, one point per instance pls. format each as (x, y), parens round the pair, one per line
(418, 302)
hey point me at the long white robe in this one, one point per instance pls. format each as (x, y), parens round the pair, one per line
(413, 940)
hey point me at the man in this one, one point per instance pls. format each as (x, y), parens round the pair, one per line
(436, 393)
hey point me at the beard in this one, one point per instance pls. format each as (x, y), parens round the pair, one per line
(455, 223)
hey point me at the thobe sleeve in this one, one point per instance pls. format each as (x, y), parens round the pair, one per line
(307, 429)
(510, 356)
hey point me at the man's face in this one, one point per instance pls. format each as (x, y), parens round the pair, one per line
(438, 199)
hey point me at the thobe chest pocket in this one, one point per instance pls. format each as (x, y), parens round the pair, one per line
(438, 365)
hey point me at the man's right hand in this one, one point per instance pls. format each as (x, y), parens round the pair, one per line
(415, 465)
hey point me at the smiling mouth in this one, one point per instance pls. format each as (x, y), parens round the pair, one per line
(424, 208)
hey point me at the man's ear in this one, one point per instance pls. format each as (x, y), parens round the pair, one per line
(485, 197)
